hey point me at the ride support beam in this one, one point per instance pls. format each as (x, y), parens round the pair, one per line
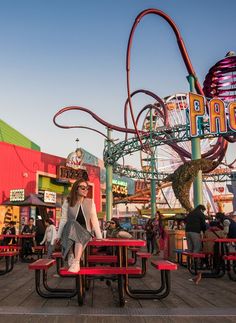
(196, 154)
(109, 175)
(153, 180)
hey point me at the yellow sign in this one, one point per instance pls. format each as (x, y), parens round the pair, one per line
(9, 213)
(101, 215)
(119, 190)
(222, 118)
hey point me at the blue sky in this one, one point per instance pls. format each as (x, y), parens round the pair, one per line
(58, 53)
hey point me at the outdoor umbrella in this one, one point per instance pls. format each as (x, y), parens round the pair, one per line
(31, 200)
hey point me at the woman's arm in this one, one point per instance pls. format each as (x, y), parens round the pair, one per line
(44, 237)
(64, 217)
(94, 221)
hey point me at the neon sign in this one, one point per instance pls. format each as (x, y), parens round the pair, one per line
(220, 118)
(119, 187)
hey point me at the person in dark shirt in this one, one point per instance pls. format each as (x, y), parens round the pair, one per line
(40, 229)
(195, 224)
(28, 243)
(149, 236)
(11, 230)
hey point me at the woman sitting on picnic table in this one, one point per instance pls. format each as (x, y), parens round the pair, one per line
(78, 213)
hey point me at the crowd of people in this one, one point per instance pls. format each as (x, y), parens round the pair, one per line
(32, 238)
(197, 227)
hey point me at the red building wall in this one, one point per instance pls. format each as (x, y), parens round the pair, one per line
(19, 167)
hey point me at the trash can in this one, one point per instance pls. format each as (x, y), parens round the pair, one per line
(176, 240)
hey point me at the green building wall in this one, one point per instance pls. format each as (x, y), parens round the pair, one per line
(12, 136)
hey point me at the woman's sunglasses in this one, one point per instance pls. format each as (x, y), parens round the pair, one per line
(83, 188)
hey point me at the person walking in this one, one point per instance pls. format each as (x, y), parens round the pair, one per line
(50, 237)
(149, 236)
(79, 217)
(157, 232)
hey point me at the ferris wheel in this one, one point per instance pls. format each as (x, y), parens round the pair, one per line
(169, 157)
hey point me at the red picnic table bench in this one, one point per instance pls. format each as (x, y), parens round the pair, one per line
(120, 272)
(8, 253)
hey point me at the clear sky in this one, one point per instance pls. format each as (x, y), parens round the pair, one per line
(56, 53)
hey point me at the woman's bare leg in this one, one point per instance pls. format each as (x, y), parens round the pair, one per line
(78, 250)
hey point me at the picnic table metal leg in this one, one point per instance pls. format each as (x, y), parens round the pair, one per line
(51, 294)
(192, 265)
(144, 270)
(59, 264)
(229, 268)
(9, 264)
(121, 290)
(79, 288)
(146, 291)
(69, 291)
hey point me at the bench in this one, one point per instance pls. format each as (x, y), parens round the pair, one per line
(164, 265)
(144, 258)
(100, 272)
(11, 247)
(9, 260)
(180, 260)
(102, 259)
(194, 255)
(59, 260)
(230, 264)
(134, 251)
(229, 257)
(92, 259)
(165, 268)
(38, 250)
(192, 260)
(41, 266)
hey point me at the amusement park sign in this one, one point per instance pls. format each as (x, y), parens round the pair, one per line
(219, 117)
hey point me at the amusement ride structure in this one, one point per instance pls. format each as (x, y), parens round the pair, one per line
(161, 133)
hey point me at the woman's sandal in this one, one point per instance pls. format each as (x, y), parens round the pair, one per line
(75, 267)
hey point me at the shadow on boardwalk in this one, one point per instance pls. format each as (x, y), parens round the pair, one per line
(213, 300)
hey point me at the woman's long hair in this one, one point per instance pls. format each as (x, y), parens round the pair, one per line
(73, 196)
(117, 222)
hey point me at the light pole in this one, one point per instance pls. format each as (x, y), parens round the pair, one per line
(196, 154)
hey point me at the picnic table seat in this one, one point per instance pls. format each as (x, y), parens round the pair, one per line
(165, 267)
(230, 265)
(9, 257)
(38, 250)
(41, 267)
(100, 272)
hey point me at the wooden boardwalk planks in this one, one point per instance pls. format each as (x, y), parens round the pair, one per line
(18, 291)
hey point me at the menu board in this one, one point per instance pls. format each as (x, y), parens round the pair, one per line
(17, 195)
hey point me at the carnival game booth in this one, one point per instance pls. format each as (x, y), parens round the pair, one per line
(32, 207)
(33, 183)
